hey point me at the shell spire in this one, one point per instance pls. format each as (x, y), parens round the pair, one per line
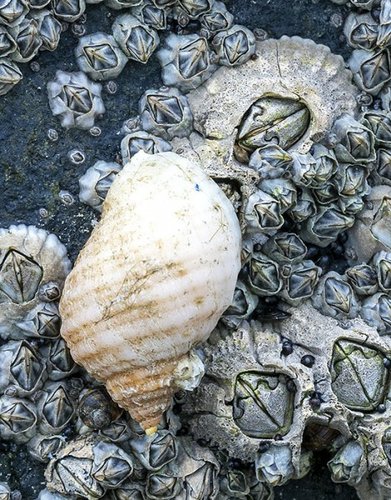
(152, 282)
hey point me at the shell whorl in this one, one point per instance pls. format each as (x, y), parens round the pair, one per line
(152, 281)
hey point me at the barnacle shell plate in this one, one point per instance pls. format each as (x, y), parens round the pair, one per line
(152, 282)
(292, 69)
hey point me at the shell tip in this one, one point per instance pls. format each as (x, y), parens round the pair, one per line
(151, 430)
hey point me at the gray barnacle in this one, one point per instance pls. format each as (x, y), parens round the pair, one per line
(10, 75)
(137, 40)
(68, 10)
(362, 4)
(142, 141)
(326, 166)
(49, 29)
(325, 225)
(355, 142)
(351, 205)
(283, 190)
(363, 279)
(56, 408)
(194, 9)
(274, 465)
(382, 173)
(285, 248)
(244, 303)
(376, 311)
(384, 36)
(371, 69)
(5, 491)
(42, 321)
(270, 161)
(122, 4)
(96, 182)
(380, 124)
(7, 43)
(12, 12)
(42, 448)
(18, 419)
(37, 5)
(150, 14)
(217, 19)
(185, 61)
(23, 371)
(75, 99)
(327, 194)
(304, 169)
(59, 361)
(381, 261)
(234, 46)
(156, 451)
(351, 180)
(27, 38)
(335, 297)
(165, 112)
(361, 31)
(111, 466)
(347, 465)
(100, 57)
(305, 206)
(263, 275)
(262, 213)
(299, 281)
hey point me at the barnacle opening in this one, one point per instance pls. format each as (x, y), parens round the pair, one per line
(272, 119)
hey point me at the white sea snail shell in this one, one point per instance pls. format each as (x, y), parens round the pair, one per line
(152, 281)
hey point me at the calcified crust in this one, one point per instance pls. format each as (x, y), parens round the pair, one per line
(152, 282)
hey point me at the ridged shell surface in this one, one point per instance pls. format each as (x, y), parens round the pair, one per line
(152, 281)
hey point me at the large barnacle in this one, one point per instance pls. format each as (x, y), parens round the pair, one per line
(75, 99)
(99, 56)
(263, 275)
(138, 41)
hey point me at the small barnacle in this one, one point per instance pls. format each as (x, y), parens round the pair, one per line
(326, 194)
(42, 321)
(49, 29)
(351, 363)
(381, 261)
(27, 38)
(137, 40)
(355, 142)
(361, 4)
(371, 69)
(22, 369)
(382, 173)
(165, 112)
(66, 198)
(195, 8)
(263, 213)
(270, 161)
(59, 361)
(384, 36)
(18, 419)
(96, 409)
(43, 448)
(7, 43)
(271, 120)
(243, 305)
(75, 99)
(234, 483)
(301, 282)
(5, 492)
(37, 5)
(376, 311)
(304, 169)
(185, 61)
(325, 225)
(285, 248)
(96, 182)
(305, 206)
(335, 297)
(283, 190)
(111, 465)
(142, 141)
(345, 466)
(12, 12)
(363, 279)
(380, 124)
(55, 408)
(68, 10)
(274, 465)
(76, 156)
(263, 275)
(234, 46)
(150, 14)
(217, 19)
(326, 166)
(351, 180)
(99, 56)
(156, 451)
(361, 31)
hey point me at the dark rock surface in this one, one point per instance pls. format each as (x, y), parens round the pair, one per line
(33, 170)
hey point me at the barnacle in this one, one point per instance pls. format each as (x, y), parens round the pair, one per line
(137, 41)
(7, 43)
(150, 14)
(165, 112)
(371, 69)
(75, 99)
(361, 31)
(234, 46)
(217, 19)
(96, 182)
(68, 10)
(142, 141)
(99, 56)
(10, 75)
(12, 12)
(49, 29)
